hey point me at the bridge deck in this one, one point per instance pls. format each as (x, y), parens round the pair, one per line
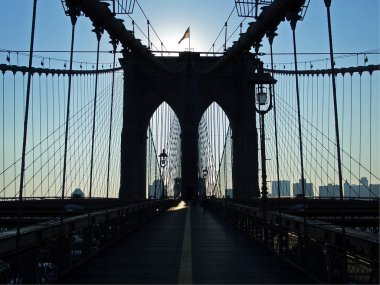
(186, 245)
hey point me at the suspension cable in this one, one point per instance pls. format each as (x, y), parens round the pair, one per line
(293, 24)
(114, 44)
(271, 36)
(370, 128)
(26, 125)
(98, 30)
(221, 30)
(149, 24)
(328, 3)
(73, 17)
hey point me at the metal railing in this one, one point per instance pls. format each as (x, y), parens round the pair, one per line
(118, 6)
(44, 252)
(324, 254)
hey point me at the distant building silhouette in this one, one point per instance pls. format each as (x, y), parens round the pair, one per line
(229, 193)
(155, 190)
(362, 190)
(330, 190)
(77, 193)
(284, 188)
(375, 190)
(297, 188)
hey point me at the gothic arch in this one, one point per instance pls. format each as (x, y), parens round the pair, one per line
(189, 92)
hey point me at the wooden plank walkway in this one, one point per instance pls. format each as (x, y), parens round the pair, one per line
(186, 245)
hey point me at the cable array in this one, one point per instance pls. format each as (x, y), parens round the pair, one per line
(361, 58)
(19, 57)
(46, 138)
(359, 138)
(163, 133)
(215, 153)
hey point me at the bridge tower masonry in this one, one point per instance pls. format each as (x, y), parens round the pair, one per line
(189, 84)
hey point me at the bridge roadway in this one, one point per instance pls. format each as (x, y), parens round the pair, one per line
(185, 245)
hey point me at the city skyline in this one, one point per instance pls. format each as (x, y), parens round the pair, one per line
(362, 190)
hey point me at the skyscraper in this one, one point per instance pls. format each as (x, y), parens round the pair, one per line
(330, 190)
(362, 190)
(284, 188)
(297, 188)
(155, 190)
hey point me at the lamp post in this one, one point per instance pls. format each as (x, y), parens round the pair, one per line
(260, 79)
(261, 102)
(163, 162)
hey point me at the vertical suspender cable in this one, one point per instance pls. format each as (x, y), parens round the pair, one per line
(73, 22)
(14, 130)
(312, 178)
(165, 125)
(351, 91)
(225, 36)
(360, 133)
(218, 145)
(293, 24)
(40, 130)
(148, 23)
(149, 160)
(114, 44)
(317, 119)
(3, 130)
(155, 158)
(161, 130)
(342, 130)
(328, 4)
(98, 32)
(26, 122)
(47, 133)
(271, 36)
(53, 128)
(370, 130)
(328, 131)
(32, 132)
(323, 125)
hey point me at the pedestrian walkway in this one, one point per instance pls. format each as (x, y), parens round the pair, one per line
(186, 245)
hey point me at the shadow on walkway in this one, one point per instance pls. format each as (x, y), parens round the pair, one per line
(186, 245)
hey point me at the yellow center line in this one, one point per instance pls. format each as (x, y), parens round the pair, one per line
(185, 269)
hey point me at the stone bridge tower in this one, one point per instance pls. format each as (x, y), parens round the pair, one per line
(188, 88)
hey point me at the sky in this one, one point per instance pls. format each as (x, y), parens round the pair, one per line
(355, 26)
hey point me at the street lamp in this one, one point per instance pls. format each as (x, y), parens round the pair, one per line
(262, 95)
(163, 162)
(260, 79)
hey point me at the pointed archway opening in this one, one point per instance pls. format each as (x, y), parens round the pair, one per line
(215, 153)
(163, 178)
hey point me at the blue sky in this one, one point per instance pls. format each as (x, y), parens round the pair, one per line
(355, 27)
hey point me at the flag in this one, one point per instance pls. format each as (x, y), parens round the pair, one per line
(185, 35)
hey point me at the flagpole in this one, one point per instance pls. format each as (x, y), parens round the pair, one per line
(189, 40)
